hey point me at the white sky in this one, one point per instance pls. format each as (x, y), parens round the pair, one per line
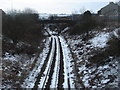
(54, 6)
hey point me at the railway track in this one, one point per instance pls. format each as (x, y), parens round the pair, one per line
(54, 72)
(53, 68)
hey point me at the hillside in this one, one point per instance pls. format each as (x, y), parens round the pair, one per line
(96, 57)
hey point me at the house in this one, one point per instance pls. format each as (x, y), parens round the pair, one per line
(118, 3)
(2, 12)
(112, 9)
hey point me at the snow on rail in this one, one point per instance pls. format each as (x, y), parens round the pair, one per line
(47, 70)
(30, 80)
(67, 58)
(54, 80)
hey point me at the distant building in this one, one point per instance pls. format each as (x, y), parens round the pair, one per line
(112, 9)
(118, 3)
(2, 12)
(68, 17)
(62, 18)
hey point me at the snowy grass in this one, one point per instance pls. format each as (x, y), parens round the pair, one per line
(15, 68)
(94, 75)
(100, 40)
(30, 80)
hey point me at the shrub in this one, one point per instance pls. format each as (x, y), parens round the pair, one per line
(114, 47)
(86, 24)
(22, 27)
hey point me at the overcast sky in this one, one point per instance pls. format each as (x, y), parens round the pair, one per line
(54, 6)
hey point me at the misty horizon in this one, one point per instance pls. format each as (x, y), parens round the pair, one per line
(54, 7)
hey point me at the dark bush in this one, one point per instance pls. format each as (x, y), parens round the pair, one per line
(112, 50)
(23, 27)
(114, 47)
(86, 24)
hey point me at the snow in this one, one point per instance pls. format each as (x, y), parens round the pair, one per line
(83, 53)
(20, 44)
(83, 50)
(10, 57)
(67, 28)
(100, 40)
(15, 57)
(116, 33)
(85, 80)
(105, 81)
(6, 39)
(51, 32)
(47, 70)
(63, 15)
(104, 28)
(56, 69)
(67, 58)
(19, 74)
(30, 80)
(67, 69)
(44, 15)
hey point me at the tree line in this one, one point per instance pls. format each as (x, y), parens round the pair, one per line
(86, 23)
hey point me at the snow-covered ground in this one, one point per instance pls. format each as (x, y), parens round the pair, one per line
(16, 67)
(43, 80)
(67, 63)
(95, 70)
(30, 80)
(100, 40)
(68, 66)
(65, 29)
(54, 82)
(86, 62)
(46, 16)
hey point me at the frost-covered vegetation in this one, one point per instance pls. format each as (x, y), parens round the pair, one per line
(96, 58)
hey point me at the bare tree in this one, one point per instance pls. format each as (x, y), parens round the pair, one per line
(118, 2)
(82, 10)
(29, 11)
(13, 12)
(74, 12)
